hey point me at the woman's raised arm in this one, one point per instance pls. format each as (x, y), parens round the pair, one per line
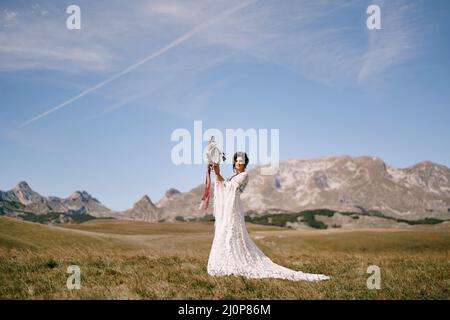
(217, 172)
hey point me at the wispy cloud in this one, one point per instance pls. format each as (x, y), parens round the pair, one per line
(303, 36)
(34, 39)
(396, 42)
(152, 56)
(8, 18)
(171, 85)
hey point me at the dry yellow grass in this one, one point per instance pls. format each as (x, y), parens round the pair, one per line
(132, 260)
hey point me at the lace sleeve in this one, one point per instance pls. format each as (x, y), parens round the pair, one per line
(240, 181)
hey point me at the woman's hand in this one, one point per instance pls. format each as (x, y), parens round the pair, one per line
(217, 172)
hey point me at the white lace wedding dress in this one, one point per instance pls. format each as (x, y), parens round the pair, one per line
(233, 252)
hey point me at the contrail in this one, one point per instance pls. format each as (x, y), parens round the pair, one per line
(137, 96)
(120, 104)
(171, 45)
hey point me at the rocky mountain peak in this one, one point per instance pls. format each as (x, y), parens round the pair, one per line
(79, 201)
(145, 200)
(23, 193)
(172, 192)
(143, 210)
(145, 204)
(82, 195)
(428, 166)
(342, 183)
(22, 186)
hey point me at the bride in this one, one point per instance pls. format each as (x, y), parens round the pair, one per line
(233, 252)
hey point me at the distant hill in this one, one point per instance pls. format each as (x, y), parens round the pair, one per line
(340, 183)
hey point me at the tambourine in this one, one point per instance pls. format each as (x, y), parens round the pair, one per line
(213, 153)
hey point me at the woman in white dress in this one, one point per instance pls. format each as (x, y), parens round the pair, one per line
(233, 252)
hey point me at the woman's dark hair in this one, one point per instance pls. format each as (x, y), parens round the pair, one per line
(242, 154)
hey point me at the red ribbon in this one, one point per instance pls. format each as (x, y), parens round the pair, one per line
(205, 199)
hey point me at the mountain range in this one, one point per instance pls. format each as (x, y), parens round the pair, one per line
(341, 183)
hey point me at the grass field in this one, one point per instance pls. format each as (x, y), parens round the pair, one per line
(132, 260)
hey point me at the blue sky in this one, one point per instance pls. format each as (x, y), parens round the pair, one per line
(311, 69)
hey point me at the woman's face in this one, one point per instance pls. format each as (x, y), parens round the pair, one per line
(240, 165)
